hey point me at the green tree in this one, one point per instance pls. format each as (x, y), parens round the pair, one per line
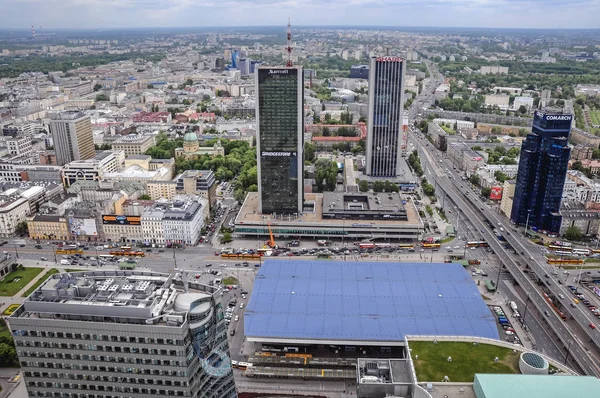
(378, 186)
(362, 119)
(500, 176)
(363, 185)
(474, 179)
(226, 238)
(22, 229)
(596, 154)
(8, 355)
(522, 109)
(97, 86)
(477, 148)
(325, 175)
(485, 192)
(326, 132)
(101, 97)
(309, 151)
(145, 197)
(206, 98)
(573, 233)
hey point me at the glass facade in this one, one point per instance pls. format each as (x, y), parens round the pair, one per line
(280, 139)
(543, 168)
(386, 108)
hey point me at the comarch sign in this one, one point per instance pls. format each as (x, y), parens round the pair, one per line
(279, 71)
(559, 117)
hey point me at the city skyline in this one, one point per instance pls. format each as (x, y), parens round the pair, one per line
(95, 14)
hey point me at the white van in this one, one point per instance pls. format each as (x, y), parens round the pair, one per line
(65, 262)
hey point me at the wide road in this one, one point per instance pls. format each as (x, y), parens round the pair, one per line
(476, 212)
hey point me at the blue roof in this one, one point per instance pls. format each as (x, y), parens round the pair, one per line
(365, 301)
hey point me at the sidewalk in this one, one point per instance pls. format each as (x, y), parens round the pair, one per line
(497, 299)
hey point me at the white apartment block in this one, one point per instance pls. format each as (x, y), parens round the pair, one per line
(460, 124)
(493, 70)
(527, 102)
(178, 222)
(500, 100)
(20, 145)
(12, 213)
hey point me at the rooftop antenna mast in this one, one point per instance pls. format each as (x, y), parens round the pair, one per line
(288, 49)
(33, 31)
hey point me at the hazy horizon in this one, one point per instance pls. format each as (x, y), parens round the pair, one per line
(122, 14)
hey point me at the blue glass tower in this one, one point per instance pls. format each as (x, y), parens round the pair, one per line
(542, 171)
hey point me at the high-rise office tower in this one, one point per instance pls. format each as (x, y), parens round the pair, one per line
(280, 139)
(72, 136)
(543, 165)
(386, 109)
(123, 334)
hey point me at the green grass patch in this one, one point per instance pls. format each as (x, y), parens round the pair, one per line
(17, 280)
(467, 359)
(447, 239)
(592, 260)
(230, 281)
(43, 279)
(10, 309)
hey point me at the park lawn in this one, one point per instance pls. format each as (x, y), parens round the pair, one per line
(10, 287)
(595, 116)
(467, 359)
(230, 281)
(43, 279)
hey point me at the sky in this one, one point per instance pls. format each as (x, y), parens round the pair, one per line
(77, 14)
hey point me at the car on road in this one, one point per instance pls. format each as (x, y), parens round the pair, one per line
(232, 333)
(21, 245)
(43, 258)
(241, 305)
(592, 326)
(38, 246)
(223, 265)
(237, 318)
(561, 296)
(208, 265)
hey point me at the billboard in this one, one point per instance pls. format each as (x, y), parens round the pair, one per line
(496, 193)
(112, 219)
(83, 226)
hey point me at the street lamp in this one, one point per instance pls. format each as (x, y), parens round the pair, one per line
(568, 351)
(527, 222)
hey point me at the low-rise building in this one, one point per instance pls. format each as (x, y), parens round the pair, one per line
(123, 228)
(134, 144)
(175, 223)
(161, 189)
(438, 136)
(583, 137)
(576, 214)
(48, 227)
(20, 145)
(508, 193)
(499, 100)
(198, 182)
(581, 152)
(90, 169)
(12, 213)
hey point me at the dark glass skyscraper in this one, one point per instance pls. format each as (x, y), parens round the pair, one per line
(280, 139)
(542, 171)
(386, 109)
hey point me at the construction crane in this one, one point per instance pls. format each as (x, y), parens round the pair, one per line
(271, 241)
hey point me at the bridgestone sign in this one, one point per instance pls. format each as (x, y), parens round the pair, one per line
(278, 154)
